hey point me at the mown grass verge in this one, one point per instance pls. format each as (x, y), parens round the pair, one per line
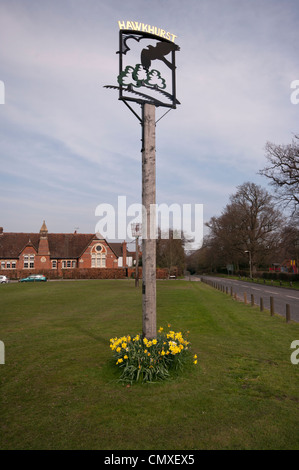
(59, 384)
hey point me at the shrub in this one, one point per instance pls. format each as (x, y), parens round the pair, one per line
(143, 360)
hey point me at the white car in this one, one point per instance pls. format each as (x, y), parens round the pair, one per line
(3, 280)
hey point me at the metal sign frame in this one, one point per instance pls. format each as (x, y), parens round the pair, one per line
(141, 90)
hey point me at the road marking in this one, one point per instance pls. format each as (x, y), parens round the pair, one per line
(292, 297)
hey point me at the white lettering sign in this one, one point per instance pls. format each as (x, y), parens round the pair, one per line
(146, 28)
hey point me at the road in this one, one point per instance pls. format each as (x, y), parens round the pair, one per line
(281, 296)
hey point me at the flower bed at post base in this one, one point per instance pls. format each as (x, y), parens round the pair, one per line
(143, 360)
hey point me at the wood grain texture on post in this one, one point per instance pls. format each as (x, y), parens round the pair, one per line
(149, 327)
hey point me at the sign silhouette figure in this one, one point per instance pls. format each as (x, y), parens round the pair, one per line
(158, 52)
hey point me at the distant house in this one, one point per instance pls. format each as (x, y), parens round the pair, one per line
(58, 251)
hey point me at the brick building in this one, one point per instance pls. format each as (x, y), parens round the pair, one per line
(55, 252)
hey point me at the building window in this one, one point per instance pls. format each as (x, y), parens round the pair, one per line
(31, 261)
(98, 260)
(54, 264)
(98, 256)
(8, 264)
(68, 264)
(28, 261)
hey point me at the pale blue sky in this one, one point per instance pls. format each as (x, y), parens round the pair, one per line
(68, 144)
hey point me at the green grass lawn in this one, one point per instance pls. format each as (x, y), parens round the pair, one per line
(59, 386)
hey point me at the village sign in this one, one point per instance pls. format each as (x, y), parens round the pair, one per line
(149, 77)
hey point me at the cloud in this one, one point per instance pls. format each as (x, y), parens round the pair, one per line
(66, 140)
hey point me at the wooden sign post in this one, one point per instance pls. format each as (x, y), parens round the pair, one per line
(149, 222)
(149, 81)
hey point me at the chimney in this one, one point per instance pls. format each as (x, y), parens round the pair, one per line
(43, 246)
(124, 250)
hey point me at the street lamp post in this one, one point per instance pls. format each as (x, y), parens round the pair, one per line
(136, 232)
(250, 269)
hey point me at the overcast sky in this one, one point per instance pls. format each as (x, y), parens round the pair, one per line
(68, 144)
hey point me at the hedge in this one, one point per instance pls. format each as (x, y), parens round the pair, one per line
(87, 273)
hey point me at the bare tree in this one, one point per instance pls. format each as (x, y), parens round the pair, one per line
(283, 172)
(170, 251)
(289, 243)
(249, 223)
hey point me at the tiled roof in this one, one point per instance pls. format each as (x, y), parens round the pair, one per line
(117, 248)
(11, 244)
(68, 245)
(61, 245)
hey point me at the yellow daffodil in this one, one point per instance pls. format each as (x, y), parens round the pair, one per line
(142, 353)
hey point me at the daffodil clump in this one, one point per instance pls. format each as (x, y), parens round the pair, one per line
(146, 360)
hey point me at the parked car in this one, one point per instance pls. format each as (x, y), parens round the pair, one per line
(34, 278)
(4, 280)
